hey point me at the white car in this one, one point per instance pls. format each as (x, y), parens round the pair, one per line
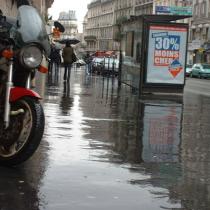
(111, 64)
(97, 61)
(188, 69)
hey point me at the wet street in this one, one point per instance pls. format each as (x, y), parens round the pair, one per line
(103, 148)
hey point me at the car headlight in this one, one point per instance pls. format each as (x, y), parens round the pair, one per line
(31, 56)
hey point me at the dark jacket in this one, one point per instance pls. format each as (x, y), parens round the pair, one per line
(67, 55)
(88, 58)
(55, 55)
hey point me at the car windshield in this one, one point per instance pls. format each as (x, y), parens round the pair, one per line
(111, 60)
(96, 60)
(206, 66)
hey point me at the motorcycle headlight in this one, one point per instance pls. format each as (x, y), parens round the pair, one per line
(31, 56)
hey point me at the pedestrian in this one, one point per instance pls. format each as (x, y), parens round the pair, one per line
(55, 60)
(88, 61)
(68, 59)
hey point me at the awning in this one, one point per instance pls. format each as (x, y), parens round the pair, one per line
(103, 53)
(158, 18)
(109, 53)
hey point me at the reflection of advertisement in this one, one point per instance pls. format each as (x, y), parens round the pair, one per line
(166, 54)
(161, 136)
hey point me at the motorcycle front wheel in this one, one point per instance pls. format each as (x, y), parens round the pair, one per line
(21, 139)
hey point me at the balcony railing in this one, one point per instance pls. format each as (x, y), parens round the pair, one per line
(90, 38)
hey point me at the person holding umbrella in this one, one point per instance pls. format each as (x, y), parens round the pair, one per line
(68, 58)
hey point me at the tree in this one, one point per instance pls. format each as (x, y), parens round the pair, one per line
(117, 28)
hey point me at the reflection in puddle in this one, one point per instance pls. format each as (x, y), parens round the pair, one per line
(102, 137)
(161, 132)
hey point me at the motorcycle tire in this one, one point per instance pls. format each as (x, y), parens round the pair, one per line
(23, 136)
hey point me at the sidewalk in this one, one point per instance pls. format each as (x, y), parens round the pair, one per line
(103, 148)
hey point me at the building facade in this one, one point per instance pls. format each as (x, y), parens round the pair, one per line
(105, 40)
(102, 22)
(143, 7)
(103, 18)
(69, 21)
(200, 32)
(99, 25)
(123, 10)
(8, 8)
(91, 24)
(42, 5)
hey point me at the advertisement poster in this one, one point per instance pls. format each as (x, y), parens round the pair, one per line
(166, 54)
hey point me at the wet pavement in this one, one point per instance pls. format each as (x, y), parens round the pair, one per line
(103, 148)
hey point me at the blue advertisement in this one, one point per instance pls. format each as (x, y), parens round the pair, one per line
(166, 54)
(173, 10)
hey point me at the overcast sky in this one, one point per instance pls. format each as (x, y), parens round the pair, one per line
(80, 6)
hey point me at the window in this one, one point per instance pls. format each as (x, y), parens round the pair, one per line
(204, 9)
(196, 10)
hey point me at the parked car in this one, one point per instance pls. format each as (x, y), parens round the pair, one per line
(188, 69)
(97, 64)
(105, 65)
(200, 70)
(111, 64)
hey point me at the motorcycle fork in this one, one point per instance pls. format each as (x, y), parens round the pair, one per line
(28, 81)
(9, 85)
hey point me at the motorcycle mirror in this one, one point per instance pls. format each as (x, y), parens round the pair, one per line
(59, 26)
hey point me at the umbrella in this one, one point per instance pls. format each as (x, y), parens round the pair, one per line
(70, 40)
(59, 26)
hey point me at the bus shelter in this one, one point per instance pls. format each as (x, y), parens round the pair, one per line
(153, 53)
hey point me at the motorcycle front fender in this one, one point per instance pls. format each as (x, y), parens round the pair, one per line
(19, 92)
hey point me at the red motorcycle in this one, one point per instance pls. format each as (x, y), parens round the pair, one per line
(24, 47)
